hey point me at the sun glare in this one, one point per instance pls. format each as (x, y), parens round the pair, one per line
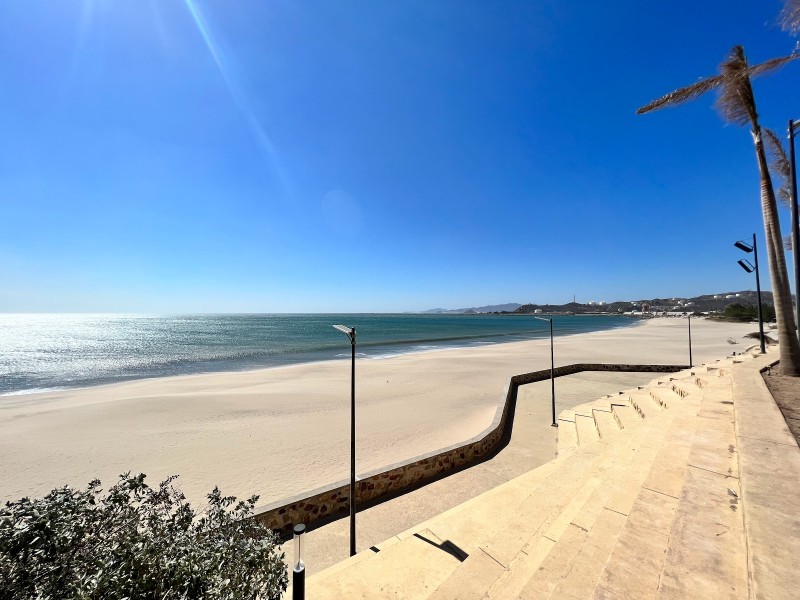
(262, 139)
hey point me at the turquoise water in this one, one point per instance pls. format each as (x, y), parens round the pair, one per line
(40, 352)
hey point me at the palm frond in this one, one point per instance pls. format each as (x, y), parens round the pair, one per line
(787, 242)
(736, 102)
(779, 163)
(779, 160)
(770, 65)
(684, 94)
(790, 16)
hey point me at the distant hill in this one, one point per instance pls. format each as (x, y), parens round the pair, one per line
(704, 303)
(510, 307)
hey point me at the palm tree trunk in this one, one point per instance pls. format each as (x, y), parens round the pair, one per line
(781, 293)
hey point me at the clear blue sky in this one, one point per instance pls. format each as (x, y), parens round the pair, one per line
(295, 156)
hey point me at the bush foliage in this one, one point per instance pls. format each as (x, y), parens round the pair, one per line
(136, 542)
(748, 312)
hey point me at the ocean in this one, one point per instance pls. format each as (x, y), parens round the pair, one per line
(41, 352)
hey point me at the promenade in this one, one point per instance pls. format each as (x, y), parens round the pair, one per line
(685, 487)
(532, 444)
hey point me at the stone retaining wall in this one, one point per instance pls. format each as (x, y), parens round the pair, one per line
(332, 501)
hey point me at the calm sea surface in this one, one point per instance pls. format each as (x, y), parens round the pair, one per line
(43, 352)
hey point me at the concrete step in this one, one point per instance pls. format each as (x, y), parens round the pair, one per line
(618, 496)
(707, 552)
(558, 534)
(626, 415)
(468, 518)
(606, 424)
(642, 508)
(644, 403)
(665, 394)
(411, 568)
(494, 510)
(706, 556)
(579, 577)
(567, 435)
(548, 559)
(574, 478)
(684, 387)
(586, 426)
(460, 520)
(634, 567)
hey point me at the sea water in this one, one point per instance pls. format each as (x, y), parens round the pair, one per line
(55, 351)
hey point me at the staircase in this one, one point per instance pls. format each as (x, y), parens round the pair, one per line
(641, 501)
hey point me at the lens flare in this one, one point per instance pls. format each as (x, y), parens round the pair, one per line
(262, 139)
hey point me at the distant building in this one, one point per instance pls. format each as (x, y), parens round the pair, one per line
(537, 311)
(602, 303)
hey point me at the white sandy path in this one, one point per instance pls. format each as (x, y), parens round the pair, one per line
(282, 431)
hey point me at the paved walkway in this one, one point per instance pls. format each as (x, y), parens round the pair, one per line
(532, 444)
(684, 489)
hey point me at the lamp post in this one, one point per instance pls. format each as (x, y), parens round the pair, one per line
(350, 332)
(793, 125)
(745, 247)
(690, 341)
(299, 570)
(552, 370)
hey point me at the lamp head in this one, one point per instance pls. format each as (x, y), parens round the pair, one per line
(746, 266)
(744, 246)
(348, 331)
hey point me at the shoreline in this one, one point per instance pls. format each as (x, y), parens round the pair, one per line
(339, 357)
(280, 431)
(369, 349)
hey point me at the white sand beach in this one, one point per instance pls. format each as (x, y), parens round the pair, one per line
(282, 431)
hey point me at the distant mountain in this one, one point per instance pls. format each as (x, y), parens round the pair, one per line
(705, 303)
(510, 307)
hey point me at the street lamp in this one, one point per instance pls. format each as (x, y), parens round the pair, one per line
(350, 332)
(299, 570)
(552, 370)
(690, 341)
(745, 264)
(793, 125)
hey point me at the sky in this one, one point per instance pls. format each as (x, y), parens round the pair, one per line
(167, 156)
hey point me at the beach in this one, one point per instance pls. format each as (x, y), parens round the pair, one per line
(282, 431)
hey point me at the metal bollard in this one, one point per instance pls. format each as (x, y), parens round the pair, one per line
(299, 571)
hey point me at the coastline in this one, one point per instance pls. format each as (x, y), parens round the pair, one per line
(280, 431)
(38, 356)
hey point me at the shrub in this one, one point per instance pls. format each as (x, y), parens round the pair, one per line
(136, 542)
(748, 312)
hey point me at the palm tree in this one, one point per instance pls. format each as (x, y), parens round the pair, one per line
(737, 105)
(780, 166)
